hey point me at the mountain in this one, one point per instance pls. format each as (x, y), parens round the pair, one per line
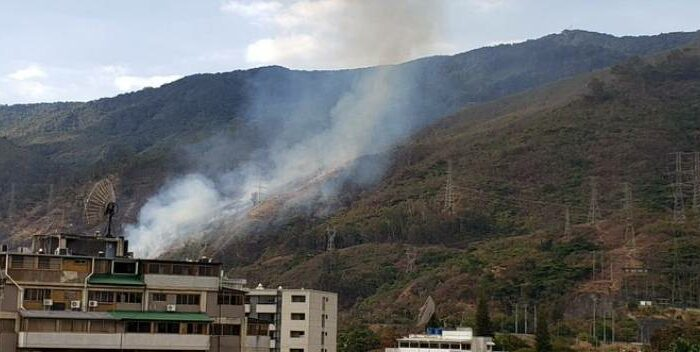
(145, 137)
(515, 167)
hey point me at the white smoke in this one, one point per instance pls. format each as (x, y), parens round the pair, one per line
(372, 115)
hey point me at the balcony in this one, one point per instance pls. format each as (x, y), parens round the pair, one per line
(95, 341)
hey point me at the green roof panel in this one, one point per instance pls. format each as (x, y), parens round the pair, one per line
(161, 316)
(121, 280)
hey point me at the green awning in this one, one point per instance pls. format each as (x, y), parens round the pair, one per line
(161, 316)
(121, 280)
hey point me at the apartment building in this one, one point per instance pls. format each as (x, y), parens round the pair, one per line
(85, 293)
(301, 320)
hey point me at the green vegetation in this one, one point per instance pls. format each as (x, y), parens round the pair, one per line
(358, 339)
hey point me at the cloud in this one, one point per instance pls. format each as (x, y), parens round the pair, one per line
(270, 51)
(342, 33)
(29, 73)
(132, 83)
(251, 8)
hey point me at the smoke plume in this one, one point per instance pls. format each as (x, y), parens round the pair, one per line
(310, 130)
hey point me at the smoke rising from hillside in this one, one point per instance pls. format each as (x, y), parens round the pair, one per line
(324, 131)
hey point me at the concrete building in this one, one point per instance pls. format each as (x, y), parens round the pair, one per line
(301, 320)
(439, 340)
(86, 293)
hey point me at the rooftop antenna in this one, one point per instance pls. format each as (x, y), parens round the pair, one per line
(101, 205)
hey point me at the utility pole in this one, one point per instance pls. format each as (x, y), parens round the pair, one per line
(526, 306)
(678, 203)
(696, 181)
(594, 335)
(593, 212)
(11, 205)
(516, 317)
(449, 207)
(629, 234)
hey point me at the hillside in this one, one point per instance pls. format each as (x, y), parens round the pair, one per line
(517, 164)
(144, 138)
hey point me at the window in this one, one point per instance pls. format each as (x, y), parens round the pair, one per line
(128, 297)
(195, 328)
(257, 329)
(423, 345)
(124, 268)
(36, 294)
(226, 330)
(168, 328)
(230, 298)
(21, 262)
(103, 326)
(73, 325)
(188, 299)
(47, 263)
(207, 270)
(466, 346)
(296, 333)
(179, 269)
(159, 268)
(267, 299)
(141, 327)
(266, 317)
(101, 296)
(298, 316)
(454, 346)
(296, 350)
(298, 298)
(403, 343)
(159, 297)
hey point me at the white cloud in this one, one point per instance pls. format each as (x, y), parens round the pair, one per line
(131, 83)
(270, 51)
(252, 8)
(29, 73)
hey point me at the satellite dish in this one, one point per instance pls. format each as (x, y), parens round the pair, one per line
(101, 205)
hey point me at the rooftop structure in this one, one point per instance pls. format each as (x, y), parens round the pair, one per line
(439, 340)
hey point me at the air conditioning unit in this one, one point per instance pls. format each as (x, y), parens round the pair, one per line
(48, 302)
(74, 304)
(171, 308)
(92, 304)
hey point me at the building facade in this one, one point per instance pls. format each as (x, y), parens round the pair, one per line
(86, 293)
(301, 320)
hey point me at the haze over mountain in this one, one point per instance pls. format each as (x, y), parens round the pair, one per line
(192, 125)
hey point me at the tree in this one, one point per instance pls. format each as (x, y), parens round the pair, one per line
(483, 319)
(358, 339)
(543, 342)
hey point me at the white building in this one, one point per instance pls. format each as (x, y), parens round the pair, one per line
(301, 320)
(459, 340)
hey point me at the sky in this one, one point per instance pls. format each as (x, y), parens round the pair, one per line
(79, 50)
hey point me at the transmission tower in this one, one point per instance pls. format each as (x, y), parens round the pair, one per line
(411, 257)
(449, 201)
(629, 234)
(678, 203)
(567, 221)
(330, 239)
(11, 204)
(593, 211)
